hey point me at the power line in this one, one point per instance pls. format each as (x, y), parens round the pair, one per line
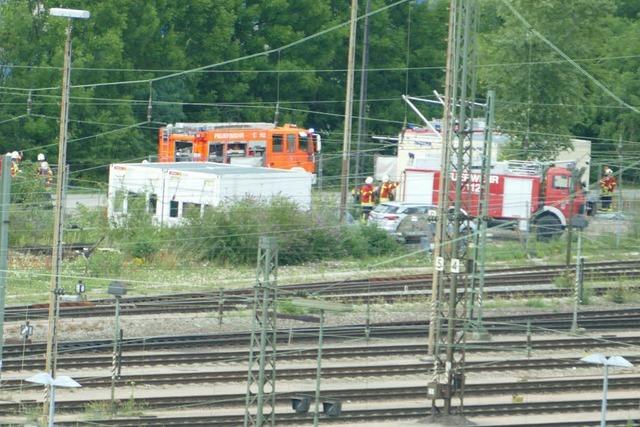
(567, 58)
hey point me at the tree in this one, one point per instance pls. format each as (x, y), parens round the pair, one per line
(541, 97)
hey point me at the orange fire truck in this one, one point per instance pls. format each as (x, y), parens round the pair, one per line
(255, 144)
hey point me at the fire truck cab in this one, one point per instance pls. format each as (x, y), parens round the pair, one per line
(254, 144)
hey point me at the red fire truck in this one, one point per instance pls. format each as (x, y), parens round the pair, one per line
(519, 191)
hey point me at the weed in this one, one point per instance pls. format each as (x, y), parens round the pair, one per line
(536, 303)
(287, 307)
(564, 280)
(587, 295)
(32, 413)
(621, 295)
(105, 263)
(97, 409)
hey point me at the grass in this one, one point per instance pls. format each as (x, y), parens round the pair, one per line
(170, 269)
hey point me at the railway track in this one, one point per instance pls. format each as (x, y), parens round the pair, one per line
(354, 396)
(369, 415)
(498, 283)
(352, 371)
(518, 324)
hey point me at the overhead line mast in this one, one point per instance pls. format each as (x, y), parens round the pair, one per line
(449, 297)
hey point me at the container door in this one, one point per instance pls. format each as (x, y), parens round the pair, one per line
(517, 197)
(418, 187)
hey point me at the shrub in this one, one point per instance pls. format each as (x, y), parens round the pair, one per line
(105, 263)
(230, 234)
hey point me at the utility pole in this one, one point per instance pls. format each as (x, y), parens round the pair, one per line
(363, 89)
(5, 201)
(448, 307)
(56, 255)
(578, 283)
(480, 238)
(619, 177)
(572, 198)
(261, 383)
(348, 110)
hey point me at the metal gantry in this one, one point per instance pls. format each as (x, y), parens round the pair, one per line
(260, 404)
(449, 297)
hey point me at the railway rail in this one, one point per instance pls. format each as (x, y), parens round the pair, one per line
(603, 320)
(498, 283)
(355, 395)
(351, 371)
(369, 415)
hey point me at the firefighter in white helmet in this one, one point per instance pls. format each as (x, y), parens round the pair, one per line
(367, 197)
(607, 187)
(44, 170)
(15, 163)
(387, 189)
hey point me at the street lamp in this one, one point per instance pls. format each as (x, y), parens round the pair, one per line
(615, 361)
(47, 380)
(333, 409)
(56, 258)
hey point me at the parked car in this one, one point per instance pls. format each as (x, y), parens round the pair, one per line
(389, 215)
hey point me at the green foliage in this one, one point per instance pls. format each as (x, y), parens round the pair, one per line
(564, 280)
(123, 40)
(105, 264)
(542, 100)
(230, 235)
(287, 307)
(536, 303)
(621, 295)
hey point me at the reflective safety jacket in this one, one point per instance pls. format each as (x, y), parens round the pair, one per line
(608, 184)
(386, 191)
(366, 195)
(14, 168)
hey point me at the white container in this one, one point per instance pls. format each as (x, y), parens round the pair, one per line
(170, 190)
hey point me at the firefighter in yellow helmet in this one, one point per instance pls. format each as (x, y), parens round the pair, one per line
(387, 189)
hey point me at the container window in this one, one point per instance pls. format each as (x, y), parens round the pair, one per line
(561, 181)
(153, 203)
(277, 144)
(173, 209)
(291, 143)
(118, 201)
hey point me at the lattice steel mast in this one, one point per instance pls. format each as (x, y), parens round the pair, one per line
(480, 238)
(261, 382)
(448, 310)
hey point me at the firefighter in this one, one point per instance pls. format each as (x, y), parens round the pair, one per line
(387, 190)
(607, 186)
(366, 197)
(15, 163)
(44, 170)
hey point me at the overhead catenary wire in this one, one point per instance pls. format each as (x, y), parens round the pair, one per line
(567, 58)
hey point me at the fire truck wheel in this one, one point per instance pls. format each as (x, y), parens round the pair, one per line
(548, 227)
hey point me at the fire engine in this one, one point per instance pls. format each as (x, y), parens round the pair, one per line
(255, 144)
(520, 191)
